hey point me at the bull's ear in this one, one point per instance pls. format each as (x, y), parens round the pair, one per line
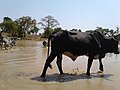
(96, 37)
(117, 36)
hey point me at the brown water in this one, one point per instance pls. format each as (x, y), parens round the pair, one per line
(21, 67)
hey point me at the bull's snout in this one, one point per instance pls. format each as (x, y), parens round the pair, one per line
(117, 52)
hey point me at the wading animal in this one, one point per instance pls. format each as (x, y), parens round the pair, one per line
(7, 43)
(74, 44)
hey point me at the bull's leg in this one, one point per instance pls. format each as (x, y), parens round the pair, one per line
(90, 60)
(100, 65)
(59, 63)
(47, 64)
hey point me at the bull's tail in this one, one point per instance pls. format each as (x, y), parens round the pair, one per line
(49, 39)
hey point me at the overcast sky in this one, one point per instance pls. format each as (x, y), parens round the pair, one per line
(79, 14)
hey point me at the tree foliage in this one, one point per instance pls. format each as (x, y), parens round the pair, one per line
(106, 31)
(9, 26)
(28, 25)
(20, 27)
(34, 31)
(76, 30)
(48, 23)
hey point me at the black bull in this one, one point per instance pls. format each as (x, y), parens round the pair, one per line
(74, 44)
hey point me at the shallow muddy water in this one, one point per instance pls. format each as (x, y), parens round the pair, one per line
(21, 67)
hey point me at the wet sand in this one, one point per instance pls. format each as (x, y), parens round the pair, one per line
(20, 69)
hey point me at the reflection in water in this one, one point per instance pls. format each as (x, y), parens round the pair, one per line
(21, 67)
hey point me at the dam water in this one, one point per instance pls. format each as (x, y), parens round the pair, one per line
(21, 67)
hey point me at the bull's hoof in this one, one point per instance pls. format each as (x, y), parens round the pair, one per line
(62, 73)
(42, 76)
(88, 74)
(100, 72)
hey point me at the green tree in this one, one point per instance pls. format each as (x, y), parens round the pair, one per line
(76, 30)
(27, 24)
(34, 30)
(47, 32)
(20, 31)
(57, 29)
(104, 31)
(48, 23)
(6, 25)
(9, 26)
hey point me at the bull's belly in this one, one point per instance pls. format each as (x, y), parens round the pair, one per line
(72, 56)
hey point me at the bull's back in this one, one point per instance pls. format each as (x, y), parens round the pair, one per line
(77, 43)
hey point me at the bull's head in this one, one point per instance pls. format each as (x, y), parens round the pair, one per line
(113, 44)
